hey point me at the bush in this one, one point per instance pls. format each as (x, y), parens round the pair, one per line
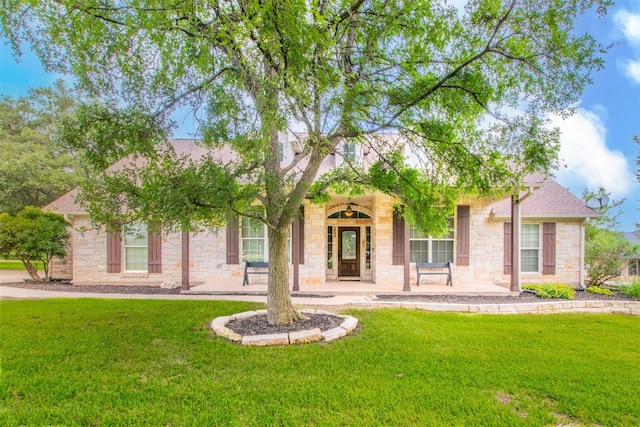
(632, 290)
(552, 291)
(599, 290)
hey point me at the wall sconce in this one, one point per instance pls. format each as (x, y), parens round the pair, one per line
(349, 212)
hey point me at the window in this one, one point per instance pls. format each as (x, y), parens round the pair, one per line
(634, 267)
(349, 214)
(349, 151)
(254, 240)
(136, 247)
(530, 248)
(367, 247)
(424, 248)
(329, 248)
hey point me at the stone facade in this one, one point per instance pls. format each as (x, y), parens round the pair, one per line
(207, 262)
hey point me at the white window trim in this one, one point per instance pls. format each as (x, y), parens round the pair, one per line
(530, 248)
(265, 238)
(430, 240)
(126, 246)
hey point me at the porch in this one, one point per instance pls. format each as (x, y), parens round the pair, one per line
(351, 287)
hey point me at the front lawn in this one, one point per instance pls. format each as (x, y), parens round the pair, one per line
(13, 264)
(149, 362)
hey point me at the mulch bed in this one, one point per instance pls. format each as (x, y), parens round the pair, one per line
(94, 289)
(257, 325)
(506, 299)
(451, 299)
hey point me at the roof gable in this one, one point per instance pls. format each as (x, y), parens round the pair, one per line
(549, 200)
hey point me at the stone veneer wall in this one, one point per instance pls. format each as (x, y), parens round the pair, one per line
(207, 259)
(486, 248)
(385, 273)
(208, 253)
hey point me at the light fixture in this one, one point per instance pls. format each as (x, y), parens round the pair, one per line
(349, 212)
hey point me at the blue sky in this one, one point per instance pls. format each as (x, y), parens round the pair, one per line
(597, 142)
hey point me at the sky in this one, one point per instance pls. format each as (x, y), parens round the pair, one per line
(597, 147)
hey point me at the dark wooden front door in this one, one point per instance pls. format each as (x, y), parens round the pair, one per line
(349, 251)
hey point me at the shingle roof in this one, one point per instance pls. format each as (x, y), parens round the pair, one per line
(549, 200)
(66, 204)
(633, 237)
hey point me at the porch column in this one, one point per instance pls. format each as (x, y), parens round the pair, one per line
(407, 259)
(295, 254)
(185, 261)
(515, 243)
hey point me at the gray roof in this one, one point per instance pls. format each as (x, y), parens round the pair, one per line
(633, 236)
(548, 200)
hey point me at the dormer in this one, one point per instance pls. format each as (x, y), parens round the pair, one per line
(350, 152)
(288, 146)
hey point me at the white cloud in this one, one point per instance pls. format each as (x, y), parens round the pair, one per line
(585, 159)
(632, 70)
(629, 24)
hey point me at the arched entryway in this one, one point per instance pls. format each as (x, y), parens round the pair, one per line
(349, 247)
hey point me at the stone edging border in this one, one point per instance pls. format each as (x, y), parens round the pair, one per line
(219, 326)
(615, 307)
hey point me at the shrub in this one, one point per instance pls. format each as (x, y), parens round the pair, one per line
(633, 290)
(552, 291)
(599, 290)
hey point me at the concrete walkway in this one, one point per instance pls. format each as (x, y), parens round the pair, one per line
(332, 293)
(351, 298)
(7, 292)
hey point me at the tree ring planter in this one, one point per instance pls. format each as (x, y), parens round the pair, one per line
(303, 335)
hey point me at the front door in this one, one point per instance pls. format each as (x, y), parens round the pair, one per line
(349, 251)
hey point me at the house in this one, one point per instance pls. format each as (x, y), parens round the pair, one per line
(358, 238)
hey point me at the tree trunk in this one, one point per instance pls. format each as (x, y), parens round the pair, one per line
(280, 310)
(32, 270)
(47, 269)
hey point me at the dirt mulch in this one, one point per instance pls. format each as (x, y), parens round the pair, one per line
(258, 325)
(506, 299)
(94, 289)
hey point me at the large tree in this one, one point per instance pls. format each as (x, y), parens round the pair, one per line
(35, 166)
(467, 90)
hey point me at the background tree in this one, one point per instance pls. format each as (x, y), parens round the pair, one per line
(35, 167)
(33, 236)
(466, 90)
(607, 251)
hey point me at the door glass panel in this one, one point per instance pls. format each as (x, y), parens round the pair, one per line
(349, 245)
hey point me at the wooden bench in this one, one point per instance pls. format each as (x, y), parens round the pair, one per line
(257, 267)
(432, 268)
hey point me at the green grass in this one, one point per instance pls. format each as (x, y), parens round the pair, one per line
(12, 264)
(149, 362)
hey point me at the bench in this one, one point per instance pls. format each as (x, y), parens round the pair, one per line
(254, 266)
(431, 268)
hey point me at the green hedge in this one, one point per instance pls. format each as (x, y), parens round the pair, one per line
(599, 290)
(552, 291)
